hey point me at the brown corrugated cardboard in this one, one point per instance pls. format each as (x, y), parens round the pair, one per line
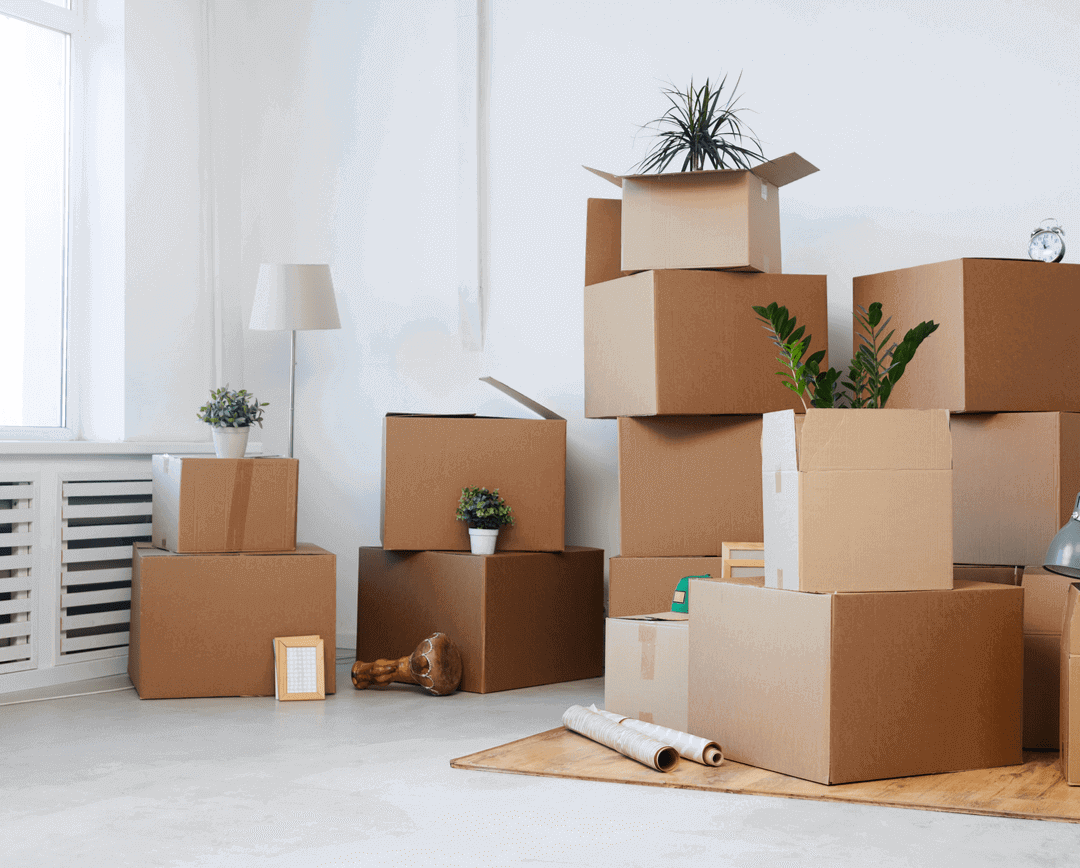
(1015, 479)
(519, 618)
(427, 460)
(837, 688)
(721, 218)
(1002, 326)
(687, 484)
(637, 586)
(224, 504)
(857, 500)
(688, 342)
(1069, 685)
(998, 575)
(603, 246)
(204, 624)
(645, 668)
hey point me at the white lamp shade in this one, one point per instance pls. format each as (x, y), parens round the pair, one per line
(290, 297)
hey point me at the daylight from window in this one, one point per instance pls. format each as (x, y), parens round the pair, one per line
(33, 175)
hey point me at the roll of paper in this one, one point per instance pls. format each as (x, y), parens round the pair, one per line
(627, 741)
(689, 746)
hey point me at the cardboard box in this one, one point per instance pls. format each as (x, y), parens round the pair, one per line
(836, 688)
(687, 484)
(519, 618)
(224, 504)
(205, 624)
(646, 668)
(689, 343)
(1015, 479)
(998, 575)
(428, 459)
(1069, 685)
(857, 500)
(637, 586)
(720, 218)
(603, 243)
(1002, 326)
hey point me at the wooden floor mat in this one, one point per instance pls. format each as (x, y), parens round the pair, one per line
(1034, 790)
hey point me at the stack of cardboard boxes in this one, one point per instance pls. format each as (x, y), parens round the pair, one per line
(856, 656)
(533, 612)
(224, 577)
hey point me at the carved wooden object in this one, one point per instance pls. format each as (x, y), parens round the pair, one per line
(435, 665)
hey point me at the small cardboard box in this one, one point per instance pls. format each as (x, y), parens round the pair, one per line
(857, 500)
(637, 586)
(519, 618)
(205, 624)
(1002, 326)
(1069, 686)
(428, 460)
(719, 218)
(837, 688)
(646, 668)
(689, 343)
(687, 484)
(224, 504)
(1015, 479)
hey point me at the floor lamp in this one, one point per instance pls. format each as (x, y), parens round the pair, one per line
(294, 298)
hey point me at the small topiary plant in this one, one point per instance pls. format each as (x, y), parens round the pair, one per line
(483, 509)
(228, 409)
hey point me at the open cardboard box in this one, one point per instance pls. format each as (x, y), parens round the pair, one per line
(689, 343)
(1015, 479)
(717, 218)
(836, 688)
(1006, 329)
(857, 500)
(428, 459)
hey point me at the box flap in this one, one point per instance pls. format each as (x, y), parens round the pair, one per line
(1045, 597)
(656, 616)
(1070, 635)
(875, 440)
(784, 170)
(607, 176)
(778, 442)
(529, 403)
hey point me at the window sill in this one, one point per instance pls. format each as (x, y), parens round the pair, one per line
(93, 447)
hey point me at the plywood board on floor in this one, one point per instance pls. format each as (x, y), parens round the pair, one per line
(1034, 790)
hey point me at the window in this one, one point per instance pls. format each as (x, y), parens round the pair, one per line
(35, 160)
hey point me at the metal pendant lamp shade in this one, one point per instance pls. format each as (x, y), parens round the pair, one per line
(294, 297)
(1063, 556)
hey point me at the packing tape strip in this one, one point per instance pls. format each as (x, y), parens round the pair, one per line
(238, 507)
(646, 635)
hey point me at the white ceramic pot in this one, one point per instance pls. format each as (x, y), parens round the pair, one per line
(231, 442)
(482, 540)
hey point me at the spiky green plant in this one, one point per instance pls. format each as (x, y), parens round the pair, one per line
(705, 125)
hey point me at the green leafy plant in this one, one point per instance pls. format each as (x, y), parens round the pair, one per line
(707, 128)
(483, 509)
(229, 409)
(874, 370)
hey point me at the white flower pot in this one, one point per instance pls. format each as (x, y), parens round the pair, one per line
(231, 442)
(482, 540)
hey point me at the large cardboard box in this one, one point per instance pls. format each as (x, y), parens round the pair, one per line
(1069, 686)
(428, 459)
(638, 586)
(646, 668)
(204, 624)
(687, 484)
(519, 618)
(857, 500)
(836, 688)
(1015, 479)
(688, 342)
(224, 504)
(1002, 326)
(720, 218)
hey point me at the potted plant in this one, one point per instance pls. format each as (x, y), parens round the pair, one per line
(486, 512)
(231, 415)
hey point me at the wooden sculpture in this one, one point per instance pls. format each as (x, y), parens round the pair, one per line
(435, 665)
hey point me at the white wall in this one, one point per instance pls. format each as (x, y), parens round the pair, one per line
(940, 132)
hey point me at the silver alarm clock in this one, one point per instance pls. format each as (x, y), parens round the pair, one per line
(1047, 242)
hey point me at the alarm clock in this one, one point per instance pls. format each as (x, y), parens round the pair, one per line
(1047, 242)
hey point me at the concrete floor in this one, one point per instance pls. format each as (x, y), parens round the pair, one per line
(363, 779)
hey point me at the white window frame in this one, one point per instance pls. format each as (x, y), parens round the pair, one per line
(72, 22)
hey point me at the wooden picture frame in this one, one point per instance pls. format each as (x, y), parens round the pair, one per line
(299, 668)
(739, 560)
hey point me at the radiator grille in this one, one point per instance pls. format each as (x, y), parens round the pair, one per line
(18, 525)
(100, 520)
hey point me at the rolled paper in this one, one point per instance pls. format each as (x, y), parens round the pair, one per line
(691, 747)
(628, 742)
